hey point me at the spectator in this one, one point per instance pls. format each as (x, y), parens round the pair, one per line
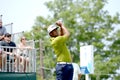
(23, 51)
(2, 31)
(77, 73)
(7, 48)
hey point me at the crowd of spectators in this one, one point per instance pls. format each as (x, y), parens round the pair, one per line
(11, 52)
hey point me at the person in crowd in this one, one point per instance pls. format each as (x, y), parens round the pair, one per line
(77, 73)
(23, 52)
(6, 49)
(64, 68)
(2, 31)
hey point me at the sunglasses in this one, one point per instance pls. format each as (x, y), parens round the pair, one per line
(8, 36)
(24, 39)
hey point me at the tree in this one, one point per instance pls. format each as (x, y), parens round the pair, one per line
(88, 24)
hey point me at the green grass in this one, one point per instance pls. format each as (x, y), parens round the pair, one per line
(38, 77)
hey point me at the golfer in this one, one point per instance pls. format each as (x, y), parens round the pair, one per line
(64, 68)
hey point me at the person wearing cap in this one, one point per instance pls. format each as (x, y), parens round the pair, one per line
(6, 50)
(64, 68)
(2, 31)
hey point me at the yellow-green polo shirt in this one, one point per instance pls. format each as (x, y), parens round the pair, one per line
(60, 49)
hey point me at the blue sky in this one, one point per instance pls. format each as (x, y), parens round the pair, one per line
(24, 12)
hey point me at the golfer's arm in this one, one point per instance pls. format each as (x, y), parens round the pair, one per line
(64, 31)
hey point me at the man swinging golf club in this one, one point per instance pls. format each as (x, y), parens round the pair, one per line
(64, 68)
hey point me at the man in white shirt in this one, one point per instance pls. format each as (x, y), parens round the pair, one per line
(77, 73)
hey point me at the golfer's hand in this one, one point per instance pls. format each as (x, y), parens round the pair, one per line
(59, 23)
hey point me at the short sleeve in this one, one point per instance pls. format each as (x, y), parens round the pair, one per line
(5, 31)
(60, 39)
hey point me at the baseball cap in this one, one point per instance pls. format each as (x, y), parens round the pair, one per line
(7, 35)
(51, 28)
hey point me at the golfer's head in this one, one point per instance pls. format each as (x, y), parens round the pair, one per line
(52, 31)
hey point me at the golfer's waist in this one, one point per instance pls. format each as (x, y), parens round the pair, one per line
(64, 62)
